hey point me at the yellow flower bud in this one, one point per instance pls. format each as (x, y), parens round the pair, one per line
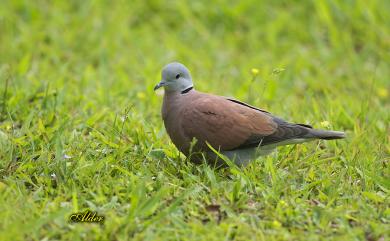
(255, 71)
(325, 124)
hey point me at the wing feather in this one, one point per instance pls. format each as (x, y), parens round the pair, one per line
(224, 124)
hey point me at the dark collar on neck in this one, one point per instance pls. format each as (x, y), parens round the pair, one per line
(187, 90)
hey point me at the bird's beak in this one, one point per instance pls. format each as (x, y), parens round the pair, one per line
(159, 85)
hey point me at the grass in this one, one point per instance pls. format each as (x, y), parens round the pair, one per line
(80, 125)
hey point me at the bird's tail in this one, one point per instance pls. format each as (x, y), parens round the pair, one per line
(325, 135)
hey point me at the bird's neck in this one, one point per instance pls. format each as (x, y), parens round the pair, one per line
(172, 100)
(187, 90)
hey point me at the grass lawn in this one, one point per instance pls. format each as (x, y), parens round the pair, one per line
(80, 124)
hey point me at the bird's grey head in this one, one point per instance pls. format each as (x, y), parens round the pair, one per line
(175, 77)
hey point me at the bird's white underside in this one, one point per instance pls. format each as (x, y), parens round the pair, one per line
(243, 157)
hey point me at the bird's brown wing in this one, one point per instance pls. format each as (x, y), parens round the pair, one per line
(224, 124)
(245, 104)
(284, 130)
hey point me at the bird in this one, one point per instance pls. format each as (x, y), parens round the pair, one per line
(206, 127)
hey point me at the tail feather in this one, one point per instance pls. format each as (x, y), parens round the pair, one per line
(325, 135)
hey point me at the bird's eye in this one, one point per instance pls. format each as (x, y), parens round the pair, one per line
(177, 76)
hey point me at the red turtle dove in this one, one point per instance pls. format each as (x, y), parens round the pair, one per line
(237, 130)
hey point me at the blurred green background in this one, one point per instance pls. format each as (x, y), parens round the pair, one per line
(80, 125)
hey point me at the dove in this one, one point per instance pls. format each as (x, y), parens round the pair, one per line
(198, 122)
